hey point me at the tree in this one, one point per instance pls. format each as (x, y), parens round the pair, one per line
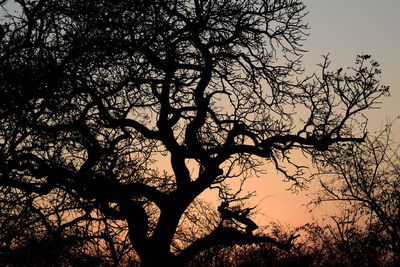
(364, 178)
(97, 95)
(48, 234)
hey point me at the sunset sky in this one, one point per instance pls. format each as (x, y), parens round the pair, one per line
(342, 28)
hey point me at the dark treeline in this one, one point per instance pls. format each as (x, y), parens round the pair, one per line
(318, 246)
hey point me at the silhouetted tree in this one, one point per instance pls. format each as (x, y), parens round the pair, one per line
(365, 179)
(48, 231)
(319, 245)
(94, 92)
(339, 245)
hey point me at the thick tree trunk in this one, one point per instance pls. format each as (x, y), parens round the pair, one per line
(155, 250)
(153, 253)
(157, 258)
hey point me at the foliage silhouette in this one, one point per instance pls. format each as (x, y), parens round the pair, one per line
(46, 236)
(364, 179)
(319, 245)
(95, 93)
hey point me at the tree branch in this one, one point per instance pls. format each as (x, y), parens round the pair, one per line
(228, 237)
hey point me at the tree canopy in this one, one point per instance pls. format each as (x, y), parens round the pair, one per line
(94, 93)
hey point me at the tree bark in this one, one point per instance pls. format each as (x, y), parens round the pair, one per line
(155, 255)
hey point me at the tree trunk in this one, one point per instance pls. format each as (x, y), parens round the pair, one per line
(155, 256)
(155, 251)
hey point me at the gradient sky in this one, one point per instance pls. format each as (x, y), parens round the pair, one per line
(345, 28)
(342, 28)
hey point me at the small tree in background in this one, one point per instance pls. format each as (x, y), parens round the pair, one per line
(364, 178)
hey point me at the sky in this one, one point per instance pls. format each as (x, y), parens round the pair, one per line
(345, 28)
(342, 28)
